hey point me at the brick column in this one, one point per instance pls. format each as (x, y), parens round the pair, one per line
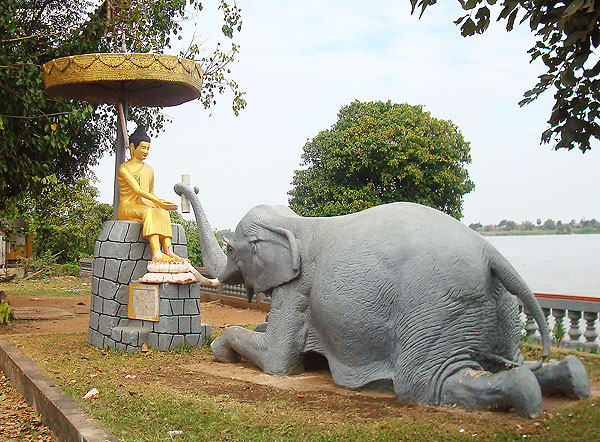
(121, 255)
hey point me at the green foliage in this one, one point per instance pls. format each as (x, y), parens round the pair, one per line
(65, 222)
(507, 225)
(527, 225)
(224, 234)
(5, 313)
(475, 226)
(548, 227)
(378, 153)
(149, 26)
(558, 333)
(193, 240)
(46, 265)
(45, 141)
(567, 33)
(549, 224)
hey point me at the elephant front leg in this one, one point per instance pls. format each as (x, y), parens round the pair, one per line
(516, 388)
(278, 349)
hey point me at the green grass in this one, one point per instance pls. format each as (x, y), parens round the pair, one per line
(64, 286)
(165, 397)
(591, 361)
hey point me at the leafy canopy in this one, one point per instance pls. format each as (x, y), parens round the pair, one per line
(567, 34)
(65, 220)
(378, 153)
(43, 140)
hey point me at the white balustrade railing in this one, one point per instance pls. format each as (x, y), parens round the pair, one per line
(235, 291)
(568, 311)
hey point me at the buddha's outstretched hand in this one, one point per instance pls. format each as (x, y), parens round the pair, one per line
(167, 205)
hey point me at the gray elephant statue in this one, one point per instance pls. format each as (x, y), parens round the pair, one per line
(399, 296)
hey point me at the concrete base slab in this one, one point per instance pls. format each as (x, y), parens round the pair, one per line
(65, 417)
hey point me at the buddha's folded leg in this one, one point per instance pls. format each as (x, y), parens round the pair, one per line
(156, 221)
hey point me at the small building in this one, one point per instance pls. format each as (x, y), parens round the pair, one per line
(15, 242)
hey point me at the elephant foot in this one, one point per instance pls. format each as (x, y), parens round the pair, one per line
(567, 377)
(474, 389)
(221, 350)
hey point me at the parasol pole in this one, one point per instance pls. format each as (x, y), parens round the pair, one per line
(122, 137)
(120, 145)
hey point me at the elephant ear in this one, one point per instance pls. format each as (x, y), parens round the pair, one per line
(276, 257)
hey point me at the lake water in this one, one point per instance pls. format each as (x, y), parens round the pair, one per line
(560, 264)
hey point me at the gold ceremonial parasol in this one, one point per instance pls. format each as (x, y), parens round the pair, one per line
(141, 79)
(124, 79)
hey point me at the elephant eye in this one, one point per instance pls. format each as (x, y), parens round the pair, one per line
(254, 247)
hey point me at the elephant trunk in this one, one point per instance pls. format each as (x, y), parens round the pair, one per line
(213, 257)
(232, 274)
(518, 287)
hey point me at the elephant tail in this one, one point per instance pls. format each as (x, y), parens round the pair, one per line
(513, 282)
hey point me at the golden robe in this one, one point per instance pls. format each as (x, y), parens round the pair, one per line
(155, 220)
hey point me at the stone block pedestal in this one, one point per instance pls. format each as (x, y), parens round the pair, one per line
(121, 255)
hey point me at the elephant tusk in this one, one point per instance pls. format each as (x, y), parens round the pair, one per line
(202, 279)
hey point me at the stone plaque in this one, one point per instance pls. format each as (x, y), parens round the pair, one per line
(144, 300)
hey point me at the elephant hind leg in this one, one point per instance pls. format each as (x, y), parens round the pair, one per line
(566, 377)
(516, 388)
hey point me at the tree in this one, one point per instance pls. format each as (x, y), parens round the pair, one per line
(549, 224)
(507, 225)
(193, 240)
(191, 234)
(66, 220)
(527, 225)
(567, 33)
(475, 226)
(44, 141)
(378, 153)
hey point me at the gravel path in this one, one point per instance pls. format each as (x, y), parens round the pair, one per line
(18, 421)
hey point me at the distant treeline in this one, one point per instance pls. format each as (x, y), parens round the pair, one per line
(548, 227)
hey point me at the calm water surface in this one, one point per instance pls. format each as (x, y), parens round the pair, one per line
(562, 264)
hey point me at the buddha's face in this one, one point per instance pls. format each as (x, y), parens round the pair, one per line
(141, 152)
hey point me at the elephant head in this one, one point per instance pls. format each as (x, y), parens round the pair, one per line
(262, 253)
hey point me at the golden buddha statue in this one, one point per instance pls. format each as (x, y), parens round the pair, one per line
(137, 201)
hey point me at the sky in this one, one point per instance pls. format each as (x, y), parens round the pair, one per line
(300, 62)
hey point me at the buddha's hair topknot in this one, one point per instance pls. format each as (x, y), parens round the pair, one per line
(138, 136)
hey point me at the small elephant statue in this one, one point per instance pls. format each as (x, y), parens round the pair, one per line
(399, 295)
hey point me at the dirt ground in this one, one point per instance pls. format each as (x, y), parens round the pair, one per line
(35, 315)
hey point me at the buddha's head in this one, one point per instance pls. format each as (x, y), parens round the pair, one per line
(139, 143)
